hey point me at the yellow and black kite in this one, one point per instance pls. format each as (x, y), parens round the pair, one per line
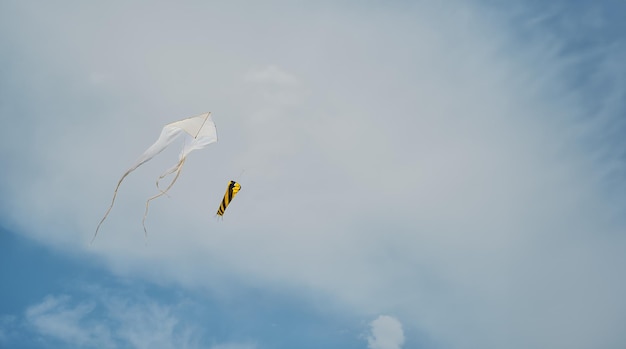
(232, 190)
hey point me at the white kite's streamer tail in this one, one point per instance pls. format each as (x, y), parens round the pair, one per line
(110, 206)
(178, 168)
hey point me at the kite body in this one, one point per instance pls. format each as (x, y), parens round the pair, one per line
(199, 131)
(232, 190)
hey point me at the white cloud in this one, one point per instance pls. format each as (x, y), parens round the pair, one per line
(117, 320)
(417, 159)
(386, 333)
(271, 75)
(120, 322)
(148, 325)
(234, 346)
(55, 317)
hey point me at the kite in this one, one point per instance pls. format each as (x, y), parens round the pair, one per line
(232, 190)
(199, 131)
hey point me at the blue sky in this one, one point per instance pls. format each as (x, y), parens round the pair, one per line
(88, 300)
(424, 174)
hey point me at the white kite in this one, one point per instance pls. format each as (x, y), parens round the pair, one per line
(199, 131)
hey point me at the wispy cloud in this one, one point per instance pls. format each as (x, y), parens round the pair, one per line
(234, 346)
(271, 75)
(112, 321)
(56, 317)
(386, 333)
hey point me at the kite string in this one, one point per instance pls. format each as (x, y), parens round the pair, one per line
(179, 167)
(242, 171)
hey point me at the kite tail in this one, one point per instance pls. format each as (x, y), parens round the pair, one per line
(167, 173)
(179, 167)
(110, 207)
